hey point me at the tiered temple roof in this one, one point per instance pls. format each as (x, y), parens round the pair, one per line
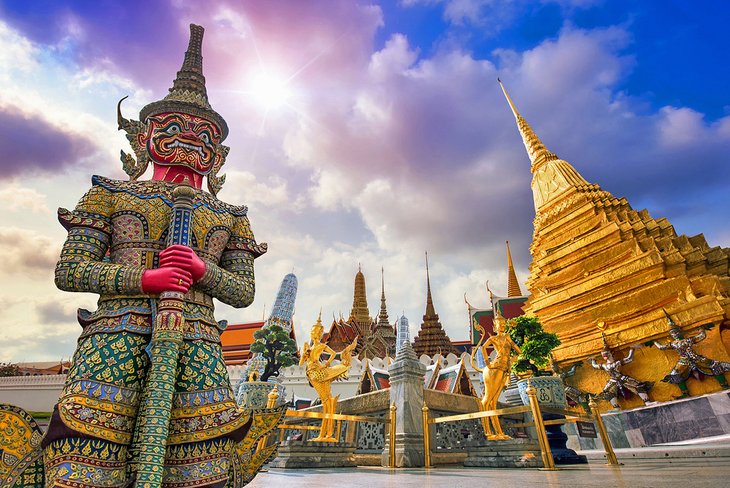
(432, 338)
(599, 265)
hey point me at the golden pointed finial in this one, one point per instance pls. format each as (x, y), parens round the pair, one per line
(509, 100)
(535, 148)
(491, 295)
(430, 310)
(319, 317)
(513, 286)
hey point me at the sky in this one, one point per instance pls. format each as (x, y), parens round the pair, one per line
(363, 134)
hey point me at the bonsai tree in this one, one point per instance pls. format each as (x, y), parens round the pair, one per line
(535, 343)
(278, 349)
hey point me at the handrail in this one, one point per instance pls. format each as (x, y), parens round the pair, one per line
(390, 419)
(538, 423)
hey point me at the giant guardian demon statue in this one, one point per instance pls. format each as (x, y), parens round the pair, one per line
(148, 401)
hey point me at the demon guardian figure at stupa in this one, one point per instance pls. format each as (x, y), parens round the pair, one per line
(147, 401)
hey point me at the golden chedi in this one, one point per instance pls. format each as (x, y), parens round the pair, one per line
(596, 259)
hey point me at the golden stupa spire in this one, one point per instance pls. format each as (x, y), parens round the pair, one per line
(513, 286)
(551, 175)
(537, 151)
(360, 312)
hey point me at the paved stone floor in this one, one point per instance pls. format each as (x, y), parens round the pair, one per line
(660, 474)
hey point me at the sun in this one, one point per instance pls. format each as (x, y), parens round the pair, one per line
(269, 90)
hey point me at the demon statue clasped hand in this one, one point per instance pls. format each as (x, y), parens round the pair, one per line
(148, 401)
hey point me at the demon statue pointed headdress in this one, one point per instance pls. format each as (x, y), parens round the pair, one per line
(673, 327)
(182, 128)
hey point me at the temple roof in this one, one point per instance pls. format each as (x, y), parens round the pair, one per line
(236, 342)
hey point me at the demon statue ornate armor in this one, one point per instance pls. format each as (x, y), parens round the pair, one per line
(690, 362)
(619, 383)
(148, 400)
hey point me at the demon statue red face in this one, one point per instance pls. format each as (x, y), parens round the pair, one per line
(182, 139)
(181, 134)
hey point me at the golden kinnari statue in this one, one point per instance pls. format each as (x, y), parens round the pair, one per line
(496, 373)
(322, 374)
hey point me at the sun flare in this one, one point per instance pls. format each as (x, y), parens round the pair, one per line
(269, 90)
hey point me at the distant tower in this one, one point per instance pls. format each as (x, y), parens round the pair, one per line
(283, 309)
(383, 330)
(281, 315)
(404, 334)
(513, 286)
(360, 312)
(432, 338)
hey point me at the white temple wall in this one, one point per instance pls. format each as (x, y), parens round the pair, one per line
(294, 378)
(32, 393)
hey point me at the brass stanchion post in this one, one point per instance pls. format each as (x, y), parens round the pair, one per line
(610, 455)
(391, 436)
(547, 455)
(271, 399)
(426, 438)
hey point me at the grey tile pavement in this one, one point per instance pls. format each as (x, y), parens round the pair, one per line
(649, 474)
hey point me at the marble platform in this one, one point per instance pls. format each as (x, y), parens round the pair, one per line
(512, 453)
(299, 455)
(684, 419)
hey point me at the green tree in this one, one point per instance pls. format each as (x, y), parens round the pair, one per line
(9, 369)
(535, 343)
(279, 350)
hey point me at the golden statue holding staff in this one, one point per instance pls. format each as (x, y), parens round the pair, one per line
(496, 373)
(322, 374)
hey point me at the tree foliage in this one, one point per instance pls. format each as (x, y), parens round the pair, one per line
(9, 369)
(535, 343)
(279, 350)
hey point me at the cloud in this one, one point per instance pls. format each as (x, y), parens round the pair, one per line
(494, 16)
(379, 154)
(25, 252)
(18, 198)
(54, 312)
(30, 144)
(37, 329)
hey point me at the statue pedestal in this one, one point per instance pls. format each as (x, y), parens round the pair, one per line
(406, 393)
(297, 455)
(511, 453)
(557, 440)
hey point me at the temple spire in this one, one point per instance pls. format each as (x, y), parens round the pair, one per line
(537, 151)
(551, 176)
(383, 315)
(513, 286)
(432, 338)
(430, 310)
